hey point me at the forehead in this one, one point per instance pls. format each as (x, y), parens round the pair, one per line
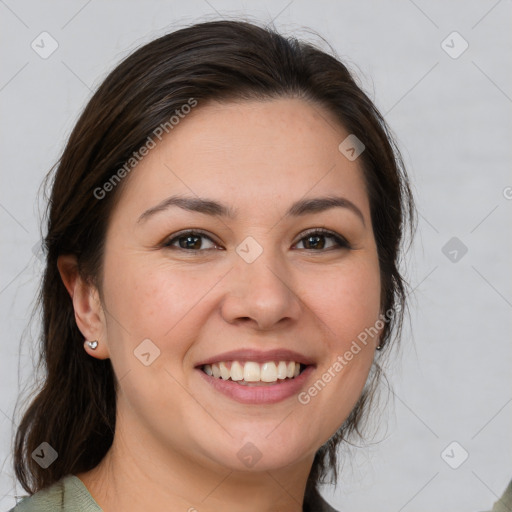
(249, 154)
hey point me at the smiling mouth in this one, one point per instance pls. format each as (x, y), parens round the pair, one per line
(251, 373)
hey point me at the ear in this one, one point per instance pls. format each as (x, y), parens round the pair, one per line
(89, 314)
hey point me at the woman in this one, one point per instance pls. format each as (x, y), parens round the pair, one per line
(222, 278)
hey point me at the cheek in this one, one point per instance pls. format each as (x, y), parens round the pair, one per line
(346, 301)
(348, 309)
(150, 300)
(347, 306)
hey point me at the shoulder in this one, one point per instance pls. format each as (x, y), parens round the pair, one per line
(504, 504)
(66, 495)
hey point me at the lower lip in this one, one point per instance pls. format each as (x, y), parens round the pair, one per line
(266, 394)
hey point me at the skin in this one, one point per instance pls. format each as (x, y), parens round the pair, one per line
(176, 439)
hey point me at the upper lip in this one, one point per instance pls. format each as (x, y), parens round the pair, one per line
(258, 356)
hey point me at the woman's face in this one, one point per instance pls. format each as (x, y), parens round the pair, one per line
(258, 285)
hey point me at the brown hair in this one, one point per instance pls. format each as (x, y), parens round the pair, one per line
(74, 409)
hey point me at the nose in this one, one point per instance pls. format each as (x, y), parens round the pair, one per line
(260, 294)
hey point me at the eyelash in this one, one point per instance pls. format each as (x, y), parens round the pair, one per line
(340, 241)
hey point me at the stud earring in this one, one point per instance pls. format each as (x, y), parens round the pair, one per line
(92, 344)
(379, 347)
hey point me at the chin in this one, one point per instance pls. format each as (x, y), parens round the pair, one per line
(258, 453)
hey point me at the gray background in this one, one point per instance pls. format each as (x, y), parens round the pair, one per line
(452, 118)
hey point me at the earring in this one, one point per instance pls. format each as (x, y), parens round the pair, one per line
(379, 347)
(92, 344)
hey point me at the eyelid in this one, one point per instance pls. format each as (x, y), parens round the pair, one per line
(323, 231)
(341, 241)
(190, 231)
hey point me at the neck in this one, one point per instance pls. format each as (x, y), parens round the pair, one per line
(138, 474)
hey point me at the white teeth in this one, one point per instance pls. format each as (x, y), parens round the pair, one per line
(268, 372)
(251, 371)
(224, 371)
(237, 371)
(290, 370)
(281, 370)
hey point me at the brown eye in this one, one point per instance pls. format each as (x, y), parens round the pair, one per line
(189, 241)
(316, 240)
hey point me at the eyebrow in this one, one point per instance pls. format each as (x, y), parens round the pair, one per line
(216, 209)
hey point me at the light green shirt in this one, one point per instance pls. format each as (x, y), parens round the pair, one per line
(504, 504)
(70, 494)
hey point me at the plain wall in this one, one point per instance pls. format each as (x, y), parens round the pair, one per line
(452, 118)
